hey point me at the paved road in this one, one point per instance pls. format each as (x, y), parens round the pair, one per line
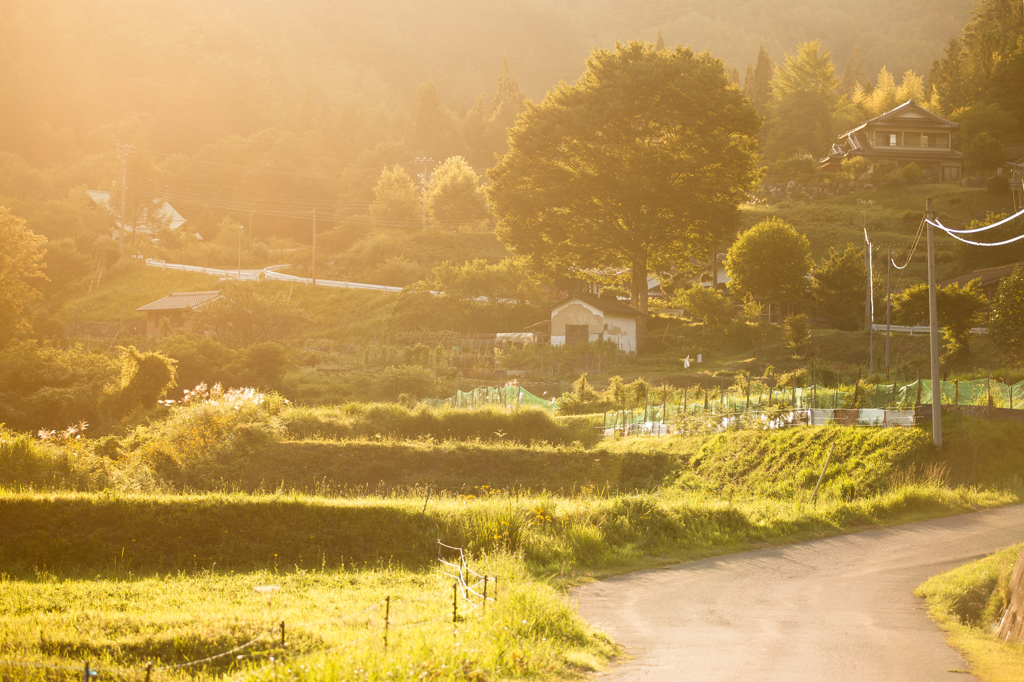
(836, 609)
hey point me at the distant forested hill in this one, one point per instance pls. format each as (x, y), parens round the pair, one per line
(196, 71)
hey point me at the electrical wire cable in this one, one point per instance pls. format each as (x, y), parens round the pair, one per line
(950, 230)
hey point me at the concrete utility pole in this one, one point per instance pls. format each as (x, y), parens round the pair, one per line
(868, 303)
(888, 309)
(933, 324)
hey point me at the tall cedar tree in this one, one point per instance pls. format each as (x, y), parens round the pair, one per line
(804, 101)
(638, 165)
(757, 84)
(986, 64)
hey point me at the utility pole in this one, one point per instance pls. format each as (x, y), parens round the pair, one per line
(123, 150)
(868, 302)
(888, 309)
(423, 186)
(314, 246)
(933, 324)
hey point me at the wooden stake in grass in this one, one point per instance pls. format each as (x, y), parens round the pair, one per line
(822, 476)
(149, 670)
(485, 595)
(387, 620)
(282, 634)
(455, 601)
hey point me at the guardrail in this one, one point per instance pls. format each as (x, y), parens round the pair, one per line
(904, 329)
(270, 272)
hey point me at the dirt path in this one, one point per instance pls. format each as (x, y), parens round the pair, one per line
(836, 609)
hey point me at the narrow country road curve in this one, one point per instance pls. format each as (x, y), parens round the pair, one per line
(841, 608)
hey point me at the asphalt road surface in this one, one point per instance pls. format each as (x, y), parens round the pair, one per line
(842, 608)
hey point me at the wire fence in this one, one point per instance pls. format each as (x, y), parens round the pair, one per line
(470, 593)
(878, 405)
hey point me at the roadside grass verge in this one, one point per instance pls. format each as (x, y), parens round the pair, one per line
(967, 603)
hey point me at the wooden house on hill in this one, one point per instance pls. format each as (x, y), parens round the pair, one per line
(904, 135)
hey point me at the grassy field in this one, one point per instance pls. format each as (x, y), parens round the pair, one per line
(967, 603)
(140, 566)
(119, 581)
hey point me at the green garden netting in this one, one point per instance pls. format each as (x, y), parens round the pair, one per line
(978, 392)
(505, 396)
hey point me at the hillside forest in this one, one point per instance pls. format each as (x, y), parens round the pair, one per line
(375, 129)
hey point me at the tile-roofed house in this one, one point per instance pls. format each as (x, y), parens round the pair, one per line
(585, 317)
(904, 135)
(165, 212)
(173, 307)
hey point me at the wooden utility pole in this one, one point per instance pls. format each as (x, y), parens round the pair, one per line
(933, 324)
(123, 150)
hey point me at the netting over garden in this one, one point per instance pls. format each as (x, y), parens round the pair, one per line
(507, 396)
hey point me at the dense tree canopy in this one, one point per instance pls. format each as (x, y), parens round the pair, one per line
(959, 309)
(455, 196)
(771, 260)
(805, 99)
(838, 287)
(639, 165)
(20, 255)
(396, 199)
(1006, 323)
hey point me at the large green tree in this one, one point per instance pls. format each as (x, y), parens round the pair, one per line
(805, 99)
(639, 165)
(985, 65)
(1006, 323)
(455, 196)
(959, 309)
(20, 254)
(771, 260)
(838, 288)
(396, 200)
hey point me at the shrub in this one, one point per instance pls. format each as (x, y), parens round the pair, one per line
(998, 184)
(912, 173)
(211, 423)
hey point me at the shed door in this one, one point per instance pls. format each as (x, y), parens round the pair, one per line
(577, 333)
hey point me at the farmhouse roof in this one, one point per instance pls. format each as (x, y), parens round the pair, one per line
(181, 300)
(607, 305)
(908, 112)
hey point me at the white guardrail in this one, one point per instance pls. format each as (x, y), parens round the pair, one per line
(270, 273)
(903, 329)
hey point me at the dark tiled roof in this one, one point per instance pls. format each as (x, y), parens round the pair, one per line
(987, 276)
(181, 300)
(895, 116)
(607, 305)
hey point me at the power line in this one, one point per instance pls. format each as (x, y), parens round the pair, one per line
(950, 231)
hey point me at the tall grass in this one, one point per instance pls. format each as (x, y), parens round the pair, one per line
(361, 420)
(175, 618)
